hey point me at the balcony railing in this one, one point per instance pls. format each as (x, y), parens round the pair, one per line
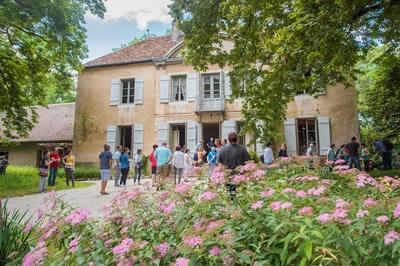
(210, 105)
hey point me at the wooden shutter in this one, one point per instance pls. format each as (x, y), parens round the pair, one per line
(137, 137)
(324, 134)
(227, 86)
(192, 135)
(164, 89)
(191, 87)
(291, 136)
(162, 132)
(111, 136)
(139, 86)
(227, 127)
(115, 91)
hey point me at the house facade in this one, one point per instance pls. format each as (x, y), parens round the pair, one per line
(145, 94)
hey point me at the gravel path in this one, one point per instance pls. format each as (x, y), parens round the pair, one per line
(87, 197)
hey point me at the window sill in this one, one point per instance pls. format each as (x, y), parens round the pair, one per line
(127, 105)
(178, 103)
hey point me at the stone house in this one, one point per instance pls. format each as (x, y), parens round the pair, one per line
(145, 94)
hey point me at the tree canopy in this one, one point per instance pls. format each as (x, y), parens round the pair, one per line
(41, 44)
(283, 46)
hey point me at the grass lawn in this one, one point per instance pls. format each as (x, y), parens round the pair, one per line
(379, 173)
(25, 180)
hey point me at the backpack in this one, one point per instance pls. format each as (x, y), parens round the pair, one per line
(262, 158)
(388, 145)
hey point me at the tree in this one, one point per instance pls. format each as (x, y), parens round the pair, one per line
(283, 46)
(378, 84)
(41, 43)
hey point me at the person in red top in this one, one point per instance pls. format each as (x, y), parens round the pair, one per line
(153, 162)
(54, 164)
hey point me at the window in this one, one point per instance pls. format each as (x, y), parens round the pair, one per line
(178, 135)
(5, 154)
(179, 88)
(306, 134)
(125, 136)
(211, 86)
(128, 91)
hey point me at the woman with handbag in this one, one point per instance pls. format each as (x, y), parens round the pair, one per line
(44, 171)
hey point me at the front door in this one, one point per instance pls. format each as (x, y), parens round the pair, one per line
(210, 130)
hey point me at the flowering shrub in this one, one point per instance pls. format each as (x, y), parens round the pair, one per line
(287, 216)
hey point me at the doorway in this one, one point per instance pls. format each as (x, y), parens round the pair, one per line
(178, 135)
(306, 134)
(125, 137)
(211, 130)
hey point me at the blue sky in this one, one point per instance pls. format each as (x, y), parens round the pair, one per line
(124, 20)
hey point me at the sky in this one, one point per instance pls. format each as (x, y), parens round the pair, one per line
(125, 20)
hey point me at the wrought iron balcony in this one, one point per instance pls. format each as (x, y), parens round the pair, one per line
(210, 105)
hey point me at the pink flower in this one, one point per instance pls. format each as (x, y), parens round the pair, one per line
(239, 179)
(362, 213)
(214, 225)
(339, 214)
(182, 262)
(326, 182)
(257, 205)
(215, 250)
(391, 237)
(382, 219)
(39, 213)
(257, 174)
(396, 212)
(341, 204)
(306, 211)
(276, 206)
(183, 188)
(124, 247)
(192, 241)
(35, 257)
(248, 167)
(325, 218)
(340, 162)
(134, 194)
(28, 227)
(286, 205)
(301, 194)
(73, 245)
(306, 178)
(208, 196)
(369, 202)
(162, 249)
(267, 193)
(78, 216)
(288, 190)
(167, 208)
(217, 177)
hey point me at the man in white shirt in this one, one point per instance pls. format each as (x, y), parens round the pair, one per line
(178, 163)
(268, 154)
(310, 155)
(117, 168)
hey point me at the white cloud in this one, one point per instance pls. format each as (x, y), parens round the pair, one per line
(140, 11)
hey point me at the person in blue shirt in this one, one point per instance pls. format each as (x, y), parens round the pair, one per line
(124, 166)
(163, 156)
(212, 160)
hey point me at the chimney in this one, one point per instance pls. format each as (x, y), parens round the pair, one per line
(176, 33)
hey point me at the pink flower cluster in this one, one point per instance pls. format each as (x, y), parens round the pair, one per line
(391, 237)
(306, 211)
(192, 241)
(78, 216)
(288, 190)
(369, 202)
(208, 196)
(134, 194)
(382, 219)
(213, 225)
(217, 177)
(257, 205)
(125, 246)
(391, 182)
(183, 188)
(35, 257)
(215, 251)
(316, 191)
(167, 208)
(73, 245)
(362, 213)
(341, 203)
(340, 162)
(301, 194)
(267, 193)
(396, 212)
(162, 249)
(362, 180)
(306, 178)
(182, 262)
(248, 167)
(237, 179)
(339, 214)
(278, 206)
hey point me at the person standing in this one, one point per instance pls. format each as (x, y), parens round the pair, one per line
(233, 154)
(218, 144)
(43, 171)
(310, 155)
(283, 151)
(388, 154)
(212, 160)
(163, 156)
(268, 154)
(153, 163)
(54, 164)
(178, 164)
(365, 156)
(330, 154)
(200, 145)
(188, 163)
(105, 160)
(198, 156)
(210, 144)
(352, 149)
(117, 168)
(138, 161)
(124, 166)
(69, 167)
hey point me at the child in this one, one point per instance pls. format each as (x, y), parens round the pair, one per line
(138, 166)
(178, 164)
(212, 160)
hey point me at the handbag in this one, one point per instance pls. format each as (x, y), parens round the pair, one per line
(43, 172)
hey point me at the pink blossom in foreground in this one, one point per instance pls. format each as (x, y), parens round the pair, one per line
(306, 178)
(124, 247)
(208, 196)
(257, 205)
(182, 262)
(396, 212)
(257, 174)
(301, 194)
(267, 193)
(73, 245)
(391, 237)
(340, 162)
(213, 225)
(134, 194)
(215, 251)
(167, 208)
(162, 249)
(288, 190)
(35, 257)
(382, 219)
(217, 177)
(316, 191)
(369, 202)
(341, 204)
(306, 211)
(364, 179)
(325, 218)
(39, 213)
(275, 206)
(78, 216)
(362, 213)
(286, 205)
(326, 182)
(28, 227)
(192, 241)
(239, 179)
(248, 167)
(183, 188)
(339, 214)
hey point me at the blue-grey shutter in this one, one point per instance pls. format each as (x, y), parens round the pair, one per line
(192, 135)
(227, 127)
(111, 136)
(137, 137)
(164, 89)
(115, 91)
(290, 135)
(324, 134)
(139, 86)
(227, 86)
(162, 132)
(191, 86)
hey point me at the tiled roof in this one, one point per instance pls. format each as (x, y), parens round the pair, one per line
(146, 50)
(55, 123)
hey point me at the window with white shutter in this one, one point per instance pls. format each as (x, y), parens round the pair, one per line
(111, 136)
(164, 89)
(138, 91)
(290, 135)
(191, 86)
(228, 126)
(324, 134)
(137, 137)
(114, 91)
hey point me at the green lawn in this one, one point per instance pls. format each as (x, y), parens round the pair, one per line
(25, 180)
(379, 173)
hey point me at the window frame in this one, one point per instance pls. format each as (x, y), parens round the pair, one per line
(212, 91)
(180, 90)
(128, 96)
(316, 131)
